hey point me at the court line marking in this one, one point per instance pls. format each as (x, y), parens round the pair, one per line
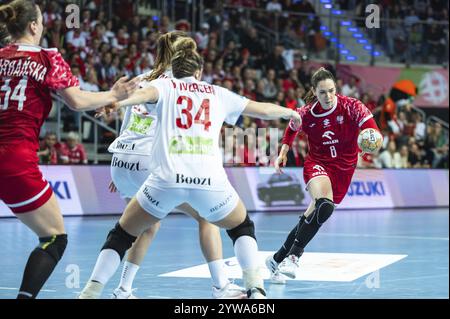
(331, 234)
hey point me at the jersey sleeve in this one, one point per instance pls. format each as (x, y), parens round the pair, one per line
(360, 113)
(292, 129)
(234, 104)
(60, 76)
(161, 86)
(370, 123)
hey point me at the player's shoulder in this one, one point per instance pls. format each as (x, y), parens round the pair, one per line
(306, 109)
(347, 101)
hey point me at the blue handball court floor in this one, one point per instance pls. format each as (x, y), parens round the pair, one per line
(373, 254)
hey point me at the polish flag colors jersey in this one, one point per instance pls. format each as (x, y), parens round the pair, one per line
(332, 134)
(28, 73)
(186, 152)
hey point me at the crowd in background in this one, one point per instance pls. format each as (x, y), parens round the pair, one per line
(236, 57)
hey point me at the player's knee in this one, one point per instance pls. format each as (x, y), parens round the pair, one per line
(246, 228)
(54, 245)
(119, 240)
(324, 209)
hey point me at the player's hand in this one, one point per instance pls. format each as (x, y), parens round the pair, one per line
(296, 118)
(106, 110)
(281, 160)
(123, 88)
(112, 188)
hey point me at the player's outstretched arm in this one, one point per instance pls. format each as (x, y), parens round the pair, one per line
(145, 95)
(269, 111)
(80, 100)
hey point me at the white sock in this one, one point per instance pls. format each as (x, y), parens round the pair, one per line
(218, 275)
(246, 251)
(107, 263)
(128, 273)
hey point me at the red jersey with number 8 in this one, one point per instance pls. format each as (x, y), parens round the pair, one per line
(28, 73)
(332, 134)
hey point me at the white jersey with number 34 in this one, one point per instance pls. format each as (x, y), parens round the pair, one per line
(190, 115)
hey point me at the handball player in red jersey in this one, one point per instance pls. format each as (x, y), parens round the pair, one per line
(332, 123)
(28, 75)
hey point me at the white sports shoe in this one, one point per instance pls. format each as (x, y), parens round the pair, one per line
(275, 276)
(92, 290)
(289, 266)
(229, 291)
(119, 293)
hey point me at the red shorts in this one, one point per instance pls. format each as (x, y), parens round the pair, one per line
(22, 186)
(340, 178)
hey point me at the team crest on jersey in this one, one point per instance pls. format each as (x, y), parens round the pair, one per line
(318, 168)
(340, 119)
(328, 135)
(326, 123)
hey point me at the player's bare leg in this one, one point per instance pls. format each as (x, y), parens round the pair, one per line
(211, 245)
(47, 223)
(134, 221)
(242, 232)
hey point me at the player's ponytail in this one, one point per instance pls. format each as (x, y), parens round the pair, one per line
(186, 60)
(164, 53)
(320, 75)
(15, 17)
(309, 97)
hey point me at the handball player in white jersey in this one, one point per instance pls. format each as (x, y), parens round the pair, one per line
(130, 167)
(187, 166)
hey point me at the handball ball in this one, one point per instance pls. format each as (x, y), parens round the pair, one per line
(370, 140)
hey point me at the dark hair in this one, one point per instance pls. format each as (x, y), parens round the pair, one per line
(186, 60)
(15, 17)
(320, 75)
(164, 53)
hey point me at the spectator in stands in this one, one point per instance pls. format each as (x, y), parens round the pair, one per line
(436, 144)
(51, 151)
(389, 158)
(270, 87)
(91, 84)
(404, 156)
(296, 155)
(416, 157)
(75, 150)
(419, 127)
(202, 37)
(350, 88)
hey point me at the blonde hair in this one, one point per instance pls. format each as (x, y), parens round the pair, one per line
(164, 53)
(320, 75)
(186, 59)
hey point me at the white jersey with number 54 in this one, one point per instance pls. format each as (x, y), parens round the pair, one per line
(190, 115)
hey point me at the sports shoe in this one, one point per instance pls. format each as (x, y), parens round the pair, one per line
(289, 266)
(120, 293)
(229, 291)
(92, 290)
(275, 276)
(256, 293)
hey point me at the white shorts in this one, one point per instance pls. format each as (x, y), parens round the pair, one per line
(129, 172)
(211, 205)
